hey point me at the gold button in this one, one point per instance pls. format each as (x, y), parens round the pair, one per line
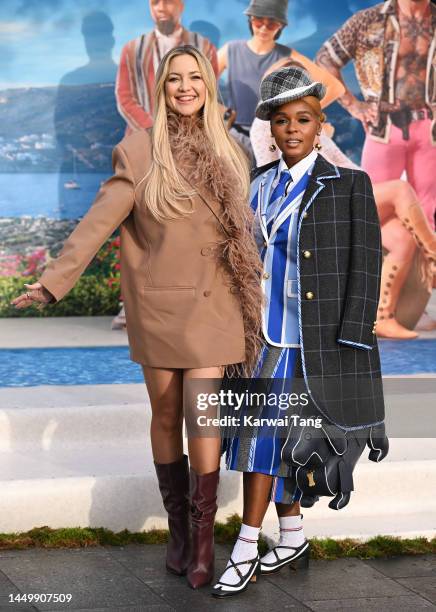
(310, 295)
(305, 215)
(265, 275)
(207, 293)
(307, 254)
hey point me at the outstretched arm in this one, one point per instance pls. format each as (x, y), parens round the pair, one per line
(112, 205)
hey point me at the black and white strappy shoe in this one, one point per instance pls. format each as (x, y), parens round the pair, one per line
(297, 558)
(223, 589)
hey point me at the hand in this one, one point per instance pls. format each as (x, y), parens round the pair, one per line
(35, 293)
(366, 112)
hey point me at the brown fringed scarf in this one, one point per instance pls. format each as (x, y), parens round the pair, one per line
(239, 255)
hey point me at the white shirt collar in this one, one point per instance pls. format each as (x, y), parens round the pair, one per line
(300, 167)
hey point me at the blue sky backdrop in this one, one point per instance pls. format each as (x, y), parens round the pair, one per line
(41, 40)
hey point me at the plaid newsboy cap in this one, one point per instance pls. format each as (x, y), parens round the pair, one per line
(285, 85)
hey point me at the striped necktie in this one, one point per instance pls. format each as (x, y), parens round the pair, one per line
(280, 188)
(276, 196)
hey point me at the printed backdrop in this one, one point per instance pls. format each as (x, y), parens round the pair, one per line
(52, 134)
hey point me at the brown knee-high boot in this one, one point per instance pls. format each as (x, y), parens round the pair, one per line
(173, 481)
(203, 510)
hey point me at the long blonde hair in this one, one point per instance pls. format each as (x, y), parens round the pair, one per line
(166, 195)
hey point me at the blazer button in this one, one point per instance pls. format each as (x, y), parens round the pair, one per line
(309, 295)
(305, 215)
(266, 275)
(207, 293)
(307, 254)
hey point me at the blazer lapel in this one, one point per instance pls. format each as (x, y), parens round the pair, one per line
(212, 203)
(290, 207)
(322, 171)
(263, 198)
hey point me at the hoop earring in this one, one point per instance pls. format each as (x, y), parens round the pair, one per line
(272, 147)
(318, 146)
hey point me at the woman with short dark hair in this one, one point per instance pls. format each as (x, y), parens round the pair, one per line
(318, 235)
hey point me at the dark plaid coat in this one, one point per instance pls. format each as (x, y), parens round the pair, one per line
(339, 264)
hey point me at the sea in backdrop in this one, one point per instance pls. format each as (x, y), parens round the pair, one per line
(45, 195)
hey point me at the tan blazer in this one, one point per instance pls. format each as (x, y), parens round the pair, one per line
(182, 310)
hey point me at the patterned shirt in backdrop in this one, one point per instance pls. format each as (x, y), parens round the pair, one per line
(372, 39)
(137, 70)
(276, 205)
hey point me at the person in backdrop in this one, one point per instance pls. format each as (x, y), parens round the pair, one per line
(395, 199)
(141, 57)
(98, 36)
(393, 46)
(189, 278)
(247, 61)
(84, 154)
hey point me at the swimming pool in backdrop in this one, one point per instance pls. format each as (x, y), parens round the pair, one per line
(111, 364)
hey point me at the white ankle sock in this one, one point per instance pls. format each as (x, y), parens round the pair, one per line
(245, 549)
(291, 534)
(291, 531)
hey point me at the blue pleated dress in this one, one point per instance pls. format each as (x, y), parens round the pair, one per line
(257, 448)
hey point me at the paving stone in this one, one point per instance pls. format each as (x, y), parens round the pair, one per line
(339, 579)
(35, 553)
(141, 561)
(405, 567)
(372, 604)
(133, 579)
(95, 580)
(259, 596)
(8, 588)
(424, 586)
(141, 608)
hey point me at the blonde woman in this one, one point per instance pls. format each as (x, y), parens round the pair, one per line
(189, 277)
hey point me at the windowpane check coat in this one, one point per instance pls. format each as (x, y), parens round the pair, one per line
(338, 282)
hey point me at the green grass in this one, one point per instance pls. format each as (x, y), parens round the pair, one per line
(225, 533)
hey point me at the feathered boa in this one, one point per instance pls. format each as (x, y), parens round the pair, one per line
(203, 167)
